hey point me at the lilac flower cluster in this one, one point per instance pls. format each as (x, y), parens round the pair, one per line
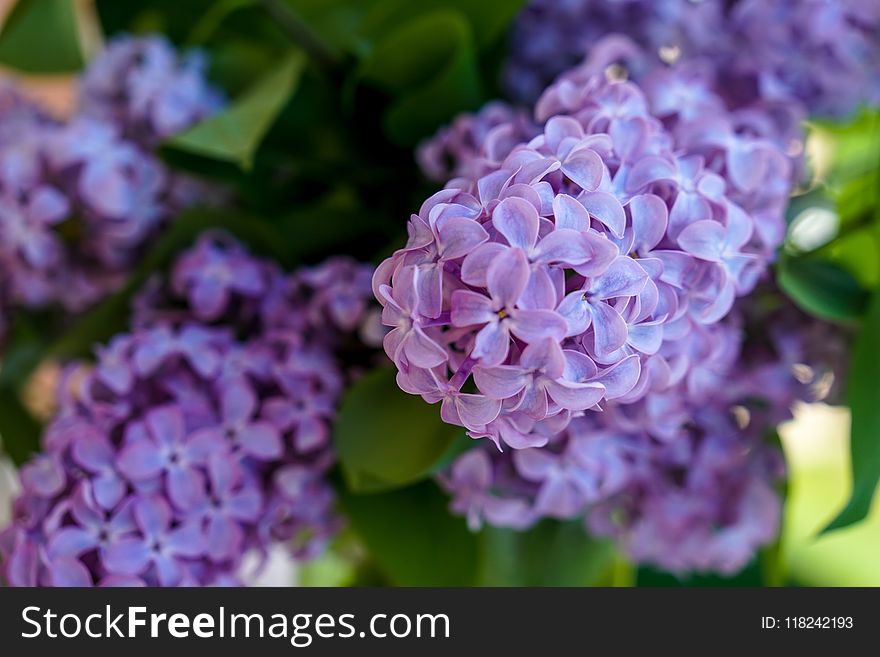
(551, 36)
(824, 54)
(81, 198)
(755, 150)
(475, 144)
(147, 89)
(818, 56)
(200, 435)
(590, 264)
(683, 479)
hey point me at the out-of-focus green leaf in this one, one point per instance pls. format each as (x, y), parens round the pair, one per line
(42, 36)
(488, 19)
(750, 576)
(822, 288)
(853, 146)
(172, 18)
(858, 199)
(326, 227)
(386, 438)
(235, 134)
(858, 252)
(18, 428)
(218, 13)
(429, 67)
(863, 395)
(357, 25)
(110, 316)
(552, 553)
(413, 538)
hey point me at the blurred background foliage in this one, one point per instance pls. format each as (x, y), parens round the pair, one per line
(327, 100)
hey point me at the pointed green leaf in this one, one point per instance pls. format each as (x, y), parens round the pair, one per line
(235, 134)
(822, 288)
(42, 36)
(429, 68)
(863, 394)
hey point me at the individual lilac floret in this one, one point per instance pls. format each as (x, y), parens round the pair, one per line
(684, 478)
(199, 436)
(81, 199)
(553, 282)
(146, 87)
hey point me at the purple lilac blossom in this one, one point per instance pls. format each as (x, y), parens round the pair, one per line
(81, 199)
(824, 54)
(198, 436)
(818, 57)
(754, 153)
(551, 36)
(756, 162)
(684, 479)
(148, 89)
(589, 265)
(475, 143)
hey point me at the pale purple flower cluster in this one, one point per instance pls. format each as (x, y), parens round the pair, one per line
(475, 144)
(81, 198)
(683, 479)
(200, 435)
(824, 54)
(589, 265)
(551, 36)
(148, 89)
(816, 56)
(754, 151)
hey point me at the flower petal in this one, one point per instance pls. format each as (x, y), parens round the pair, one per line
(533, 325)
(500, 382)
(471, 309)
(570, 214)
(704, 240)
(517, 220)
(649, 219)
(140, 460)
(607, 209)
(575, 396)
(584, 169)
(507, 277)
(458, 236)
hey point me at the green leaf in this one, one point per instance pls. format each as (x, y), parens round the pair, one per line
(111, 315)
(219, 12)
(413, 538)
(488, 19)
(42, 36)
(429, 67)
(19, 430)
(235, 134)
(172, 18)
(552, 553)
(863, 395)
(858, 252)
(386, 438)
(822, 288)
(749, 576)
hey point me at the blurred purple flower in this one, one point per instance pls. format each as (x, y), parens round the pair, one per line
(185, 446)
